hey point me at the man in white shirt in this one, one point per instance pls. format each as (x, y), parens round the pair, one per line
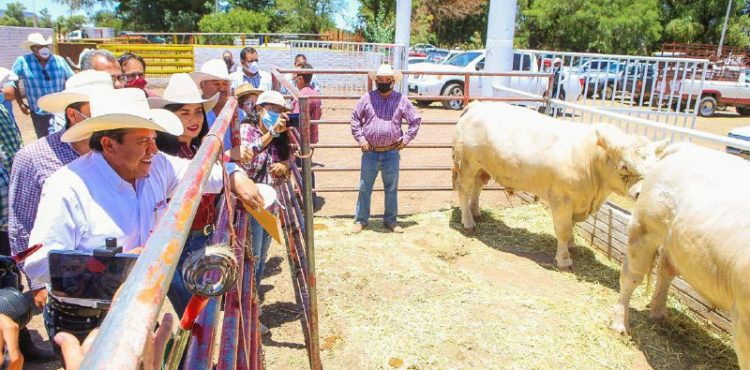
(119, 189)
(250, 73)
(212, 79)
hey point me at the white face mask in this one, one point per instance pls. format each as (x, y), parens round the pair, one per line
(44, 53)
(252, 68)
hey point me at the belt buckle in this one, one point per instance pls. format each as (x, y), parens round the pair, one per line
(208, 229)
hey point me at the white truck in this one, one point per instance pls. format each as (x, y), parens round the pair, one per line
(473, 60)
(91, 33)
(731, 88)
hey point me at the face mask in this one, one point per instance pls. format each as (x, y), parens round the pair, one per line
(269, 119)
(139, 83)
(384, 87)
(44, 53)
(252, 68)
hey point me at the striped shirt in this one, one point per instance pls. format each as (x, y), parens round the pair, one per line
(40, 81)
(377, 121)
(32, 166)
(4, 183)
(10, 138)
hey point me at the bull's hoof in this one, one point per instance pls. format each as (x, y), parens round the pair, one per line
(565, 265)
(618, 327)
(658, 316)
(470, 230)
(477, 217)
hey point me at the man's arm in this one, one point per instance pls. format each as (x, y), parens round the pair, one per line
(18, 69)
(413, 119)
(357, 122)
(66, 68)
(23, 198)
(57, 228)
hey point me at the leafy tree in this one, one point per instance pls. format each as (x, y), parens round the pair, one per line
(14, 16)
(701, 21)
(104, 18)
(69, 24)
(254, 5)
(45, 19)
(74, 5)
(377, 20)
(162, 15)
(236, 20)
(304, 16)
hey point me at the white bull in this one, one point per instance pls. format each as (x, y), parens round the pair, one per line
(693, 211)
(574, 167)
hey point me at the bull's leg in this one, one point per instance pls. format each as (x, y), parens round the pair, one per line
(642, 250)
(664, 276)
(481, 179)
(741, 328)
(466, 179)
(562, 217)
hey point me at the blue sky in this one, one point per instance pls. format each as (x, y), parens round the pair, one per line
(343, 19)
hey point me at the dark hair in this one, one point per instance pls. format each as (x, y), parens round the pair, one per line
(227, 51)
(281, 143)
(95, 141)
(300, 56)
(128, 56)
(169, 143)
(245, 51)
(307, 77)
(76, 106)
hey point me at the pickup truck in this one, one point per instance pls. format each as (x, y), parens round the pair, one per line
(732, 89)
(473, 60)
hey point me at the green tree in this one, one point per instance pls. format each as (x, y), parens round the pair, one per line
(162, 15)
(45, 19)
(304, 16)
(74, 5)
(254, 5)
(14, 16)
(104, 18)
(236, 20)
(377, 20)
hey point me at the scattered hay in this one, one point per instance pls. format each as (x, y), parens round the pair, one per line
(436, 298)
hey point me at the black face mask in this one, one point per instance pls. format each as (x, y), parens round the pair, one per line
(384, 87)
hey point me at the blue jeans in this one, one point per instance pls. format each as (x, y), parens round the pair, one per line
(388, 164)
(261, 242)
(178, 294)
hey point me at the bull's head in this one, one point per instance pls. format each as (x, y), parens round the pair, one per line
(629, 159)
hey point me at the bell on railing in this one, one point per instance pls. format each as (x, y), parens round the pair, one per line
(210, 271)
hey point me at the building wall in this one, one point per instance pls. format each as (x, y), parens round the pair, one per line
(11, 39)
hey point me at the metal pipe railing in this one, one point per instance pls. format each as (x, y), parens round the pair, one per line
(140, 298)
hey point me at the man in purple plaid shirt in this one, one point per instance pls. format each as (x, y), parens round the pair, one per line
(376, 125)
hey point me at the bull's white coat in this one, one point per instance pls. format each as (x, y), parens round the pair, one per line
(693, 210)
(572, 166)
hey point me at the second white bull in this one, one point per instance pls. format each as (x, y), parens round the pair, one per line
(574, 167)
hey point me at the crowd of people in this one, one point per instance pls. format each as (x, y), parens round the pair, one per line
(110, 153)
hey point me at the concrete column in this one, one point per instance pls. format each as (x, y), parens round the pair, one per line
(403, 33)
(501, 26)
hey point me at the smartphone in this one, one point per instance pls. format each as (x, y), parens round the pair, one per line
(87, 279)
(293, 120)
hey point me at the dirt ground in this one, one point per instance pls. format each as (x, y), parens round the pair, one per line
(434, 298)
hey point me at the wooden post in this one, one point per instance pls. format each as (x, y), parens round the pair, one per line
(466, 89)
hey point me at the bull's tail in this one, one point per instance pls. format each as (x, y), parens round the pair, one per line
(650, 273)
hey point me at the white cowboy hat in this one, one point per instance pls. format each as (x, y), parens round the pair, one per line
(272, 97)
(556, 60)
(78, 88)
(182, 90)
(123, 108)
(6, 75)
(212, 69)
(36, 38)
(386, 70)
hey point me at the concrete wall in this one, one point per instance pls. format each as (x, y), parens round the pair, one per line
(11, 39)
(318, 58)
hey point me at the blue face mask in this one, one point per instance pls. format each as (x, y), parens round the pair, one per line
(269, 119)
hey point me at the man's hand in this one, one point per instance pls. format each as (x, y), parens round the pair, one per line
(246, 190)
(24, 108)
(40, 297)
(9, 339)
(365, 147)
(241, 153)
(280, 169)
(401, 145)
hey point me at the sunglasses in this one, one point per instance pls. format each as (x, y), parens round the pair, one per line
(46, 75)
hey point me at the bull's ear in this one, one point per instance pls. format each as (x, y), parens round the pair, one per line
(660, 146)
(604, 136)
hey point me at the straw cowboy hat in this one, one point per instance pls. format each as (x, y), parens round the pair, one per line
(212, 69)
(246, 89)
(79, 88)
(182, 90)
(123, 108)
(272, 97)
(386, 70)
(34, 39)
